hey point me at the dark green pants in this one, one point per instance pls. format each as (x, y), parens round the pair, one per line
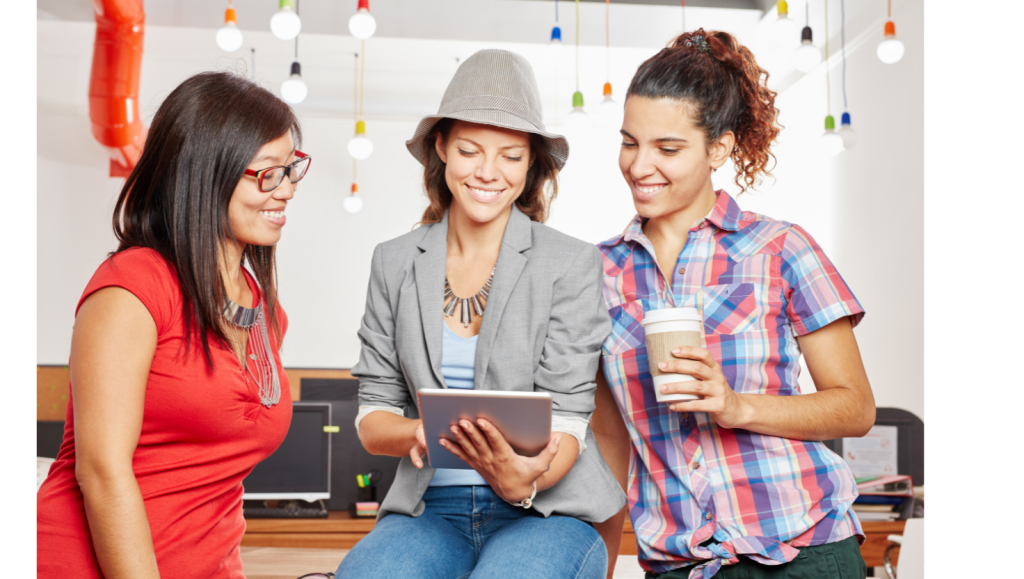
(840, 560)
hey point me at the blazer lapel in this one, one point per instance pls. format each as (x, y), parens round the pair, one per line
(429, 268)
(512, 259)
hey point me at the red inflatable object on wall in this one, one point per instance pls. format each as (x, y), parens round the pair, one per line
(114, 84)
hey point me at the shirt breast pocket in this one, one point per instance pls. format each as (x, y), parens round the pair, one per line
(627, 331)
(734, 308)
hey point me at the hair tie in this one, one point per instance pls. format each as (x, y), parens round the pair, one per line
(698, 41)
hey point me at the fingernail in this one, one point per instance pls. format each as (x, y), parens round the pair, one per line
(664, 387)
(677, 351)
(662, 365)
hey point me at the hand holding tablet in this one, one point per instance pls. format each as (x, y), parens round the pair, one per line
(504, 436)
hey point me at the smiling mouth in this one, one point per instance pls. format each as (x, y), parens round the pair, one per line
(484, 194)
(273, 214)
(649, 190)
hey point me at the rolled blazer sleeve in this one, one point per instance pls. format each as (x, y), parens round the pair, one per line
(381, 381)
(579, 324)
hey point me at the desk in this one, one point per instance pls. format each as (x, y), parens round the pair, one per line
(340, 531)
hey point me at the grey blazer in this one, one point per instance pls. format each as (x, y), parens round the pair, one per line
(542, 331)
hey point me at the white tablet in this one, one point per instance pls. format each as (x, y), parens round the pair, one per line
(523, 418)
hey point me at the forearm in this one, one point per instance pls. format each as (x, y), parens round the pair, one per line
(119, 526)
(837, 412)
(568, 452)
(384, 433)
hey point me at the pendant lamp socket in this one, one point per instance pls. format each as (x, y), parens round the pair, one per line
(362, 24)
(608, 111)
(285, 23)
(353, 203)
(784, 29)
(229, 37)
(808, 56)
(294, 90)
(556, 35)
(577, 117)
(846, 132)
(831, 141)
(890, 50)
(360, 147)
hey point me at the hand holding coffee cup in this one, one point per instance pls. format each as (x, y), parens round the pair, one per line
(664, 330)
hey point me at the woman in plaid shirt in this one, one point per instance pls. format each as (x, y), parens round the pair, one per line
(737, 483)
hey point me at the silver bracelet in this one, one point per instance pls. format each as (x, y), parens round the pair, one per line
(526, 503)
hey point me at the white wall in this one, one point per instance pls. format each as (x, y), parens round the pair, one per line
(864, 207)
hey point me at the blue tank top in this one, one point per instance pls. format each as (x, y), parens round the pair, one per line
(457, 357)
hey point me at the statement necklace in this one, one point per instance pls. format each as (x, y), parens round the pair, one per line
(478, 301)
(241, 319)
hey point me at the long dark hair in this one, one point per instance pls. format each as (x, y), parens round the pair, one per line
(176, 199)
(726, 90)
(540, 189)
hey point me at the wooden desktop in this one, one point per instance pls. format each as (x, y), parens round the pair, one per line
(340, 531)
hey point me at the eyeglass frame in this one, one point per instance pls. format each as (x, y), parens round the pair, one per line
(300, 156)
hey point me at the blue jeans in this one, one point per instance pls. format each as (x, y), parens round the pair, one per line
(472, 532)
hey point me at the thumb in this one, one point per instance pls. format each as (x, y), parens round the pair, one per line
(550, 451)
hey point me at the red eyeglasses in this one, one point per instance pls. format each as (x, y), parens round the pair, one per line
(272, 177)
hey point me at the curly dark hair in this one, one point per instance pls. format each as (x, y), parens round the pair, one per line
(727, 90)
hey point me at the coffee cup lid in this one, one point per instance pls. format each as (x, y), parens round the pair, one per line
(671, 315)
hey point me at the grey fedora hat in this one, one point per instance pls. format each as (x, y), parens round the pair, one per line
(493, 87)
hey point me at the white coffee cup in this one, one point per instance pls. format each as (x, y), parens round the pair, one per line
(664, 330)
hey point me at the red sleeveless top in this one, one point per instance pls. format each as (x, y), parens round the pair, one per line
(202, 432)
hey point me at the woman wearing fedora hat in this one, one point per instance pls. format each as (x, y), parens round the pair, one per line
(484, 296)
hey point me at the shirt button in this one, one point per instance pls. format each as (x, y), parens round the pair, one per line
(707, 516)
(682, 270)
(685, 415)
(695, 466)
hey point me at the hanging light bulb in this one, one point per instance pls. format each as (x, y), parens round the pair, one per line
(285, 23)
(360, 146)
(294, 90)
(890, 50)
(229, 38)
(831, 141)
(609, 112)
(808, 56)
(556, 32)
(577, 117)
(353, 203)
(362, 25)
(784, 29)
(608, 104)
(846, 132)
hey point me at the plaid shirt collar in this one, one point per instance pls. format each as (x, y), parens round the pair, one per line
(725, 214)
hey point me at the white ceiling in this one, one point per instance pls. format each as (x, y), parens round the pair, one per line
(418, 45)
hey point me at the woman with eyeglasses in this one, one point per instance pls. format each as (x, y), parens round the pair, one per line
(177, 389)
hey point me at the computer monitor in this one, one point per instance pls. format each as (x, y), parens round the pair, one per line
(301, 467)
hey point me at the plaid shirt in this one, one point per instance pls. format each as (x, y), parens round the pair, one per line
(699, 494)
